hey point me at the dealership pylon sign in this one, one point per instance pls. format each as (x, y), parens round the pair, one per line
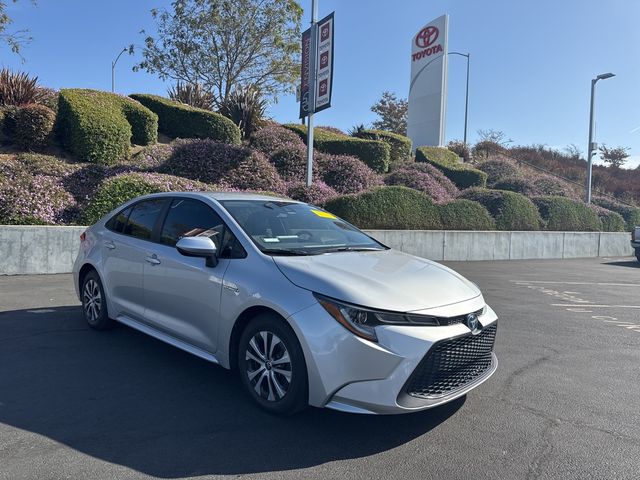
(317, 56)
(428, 87)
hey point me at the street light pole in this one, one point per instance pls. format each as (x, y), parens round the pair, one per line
(466, 101)
(312, 88)
(591, 147)
(113, 70)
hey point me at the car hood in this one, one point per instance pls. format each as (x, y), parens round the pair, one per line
(385, 279)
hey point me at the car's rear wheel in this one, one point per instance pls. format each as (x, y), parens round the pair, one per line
(638, 254)
(94, 302)
(271, 365)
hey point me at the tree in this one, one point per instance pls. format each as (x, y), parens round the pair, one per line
(494, 136)
(392, 112)
(15, 40)
(573, 151)
(223, 45)
(615, 157)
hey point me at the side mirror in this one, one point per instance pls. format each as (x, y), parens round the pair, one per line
(199, 247)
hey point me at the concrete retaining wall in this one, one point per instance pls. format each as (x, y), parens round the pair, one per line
(38, 249)
(461, 245)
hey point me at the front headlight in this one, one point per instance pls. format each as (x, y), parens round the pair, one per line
(362, 322)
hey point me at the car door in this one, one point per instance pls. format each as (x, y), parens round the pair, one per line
(124, 244)
(182, 294)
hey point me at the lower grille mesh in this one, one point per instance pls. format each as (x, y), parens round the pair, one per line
(451, 364)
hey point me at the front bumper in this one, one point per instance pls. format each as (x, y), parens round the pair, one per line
(350, 374)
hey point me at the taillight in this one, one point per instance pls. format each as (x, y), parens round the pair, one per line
(83, 236)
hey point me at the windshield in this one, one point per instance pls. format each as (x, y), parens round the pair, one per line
(288, 228)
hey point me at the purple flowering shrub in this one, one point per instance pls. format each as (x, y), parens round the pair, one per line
(346, 174)
(291, 162)
(434, 173)
(31, 199)
(421, 181)
(121, 188)
(152, 157)
(498, 168)
(317, 194)
(254, 172)
(272, 138)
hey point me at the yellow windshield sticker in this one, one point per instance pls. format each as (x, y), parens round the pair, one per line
(322, 214)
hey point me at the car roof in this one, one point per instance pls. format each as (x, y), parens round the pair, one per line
(221, 196)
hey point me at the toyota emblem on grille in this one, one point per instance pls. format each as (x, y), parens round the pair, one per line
(473, 323)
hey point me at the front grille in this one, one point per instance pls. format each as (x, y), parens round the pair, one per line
(445, 321)
(452, 364)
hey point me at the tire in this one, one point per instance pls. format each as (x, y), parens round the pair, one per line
(94, 302)
(278, 386)
(638, 254)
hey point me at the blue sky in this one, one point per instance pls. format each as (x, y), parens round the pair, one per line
(531, 62)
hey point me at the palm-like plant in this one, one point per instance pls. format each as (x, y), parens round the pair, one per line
(193, 95)
(17, 88)
(246, 107)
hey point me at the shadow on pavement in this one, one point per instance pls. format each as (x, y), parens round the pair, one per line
(128, 399)
(630, 263)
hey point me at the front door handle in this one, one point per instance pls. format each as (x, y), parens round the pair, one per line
(109, 244)
(153, 260)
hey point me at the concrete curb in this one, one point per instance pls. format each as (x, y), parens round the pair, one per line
(27, 250)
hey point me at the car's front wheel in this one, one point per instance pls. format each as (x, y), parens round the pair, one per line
(271, 365)
(94, 302)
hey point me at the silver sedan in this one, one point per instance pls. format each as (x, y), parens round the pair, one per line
(306, 308)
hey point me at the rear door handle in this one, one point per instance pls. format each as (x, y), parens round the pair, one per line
(153, 260)
(109, 244)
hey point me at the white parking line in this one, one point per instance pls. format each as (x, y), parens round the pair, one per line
(525, 282)
(594, 306)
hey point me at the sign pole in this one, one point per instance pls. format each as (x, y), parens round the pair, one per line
(312, 88)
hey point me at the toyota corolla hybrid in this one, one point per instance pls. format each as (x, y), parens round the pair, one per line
(304, 306)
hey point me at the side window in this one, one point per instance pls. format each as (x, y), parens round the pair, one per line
(117, 222)
(191, 218)
(143, 218)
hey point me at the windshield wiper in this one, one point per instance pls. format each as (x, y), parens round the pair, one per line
(286, 251)
(352, 249)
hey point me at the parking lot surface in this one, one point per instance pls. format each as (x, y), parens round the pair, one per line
(564, 403)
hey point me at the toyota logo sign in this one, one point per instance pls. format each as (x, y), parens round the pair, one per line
(427, 36)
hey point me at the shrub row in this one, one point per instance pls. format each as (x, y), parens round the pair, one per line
(99, 126)
(631, 215)
(446, 161)
(403, 208)
(564, 214)
(183, 121)
(510, 210)
(374, 153)
(399, 146)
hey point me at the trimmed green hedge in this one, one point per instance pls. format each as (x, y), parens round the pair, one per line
(564, 214)
(183, 121)
(388, 208)
(464, 214)
(447, 162)
(34, 126)
(611, 221)
(630, 214)
(98, 126)
(510, 210)
(117, 190)
(374, 153)
(399, 145)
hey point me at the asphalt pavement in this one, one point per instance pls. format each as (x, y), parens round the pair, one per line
(564, 403)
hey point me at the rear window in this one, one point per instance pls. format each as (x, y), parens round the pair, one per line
(143, 218)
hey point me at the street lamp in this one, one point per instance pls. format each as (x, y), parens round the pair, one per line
(592, 145)
(466, 101)
(113, 69)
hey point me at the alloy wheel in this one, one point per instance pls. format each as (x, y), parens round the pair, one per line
(92, 301)
(268, 366)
